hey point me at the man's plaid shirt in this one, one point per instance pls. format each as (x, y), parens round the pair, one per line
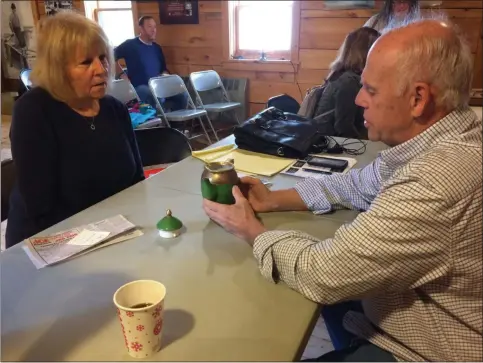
(413, 256)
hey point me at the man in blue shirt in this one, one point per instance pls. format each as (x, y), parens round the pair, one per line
(145, 59)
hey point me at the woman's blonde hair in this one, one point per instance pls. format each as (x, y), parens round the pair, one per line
(59, 39)
(353, 52)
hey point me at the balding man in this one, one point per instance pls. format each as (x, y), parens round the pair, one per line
(414, 256)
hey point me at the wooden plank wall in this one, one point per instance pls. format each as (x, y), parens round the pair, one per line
(190, 48)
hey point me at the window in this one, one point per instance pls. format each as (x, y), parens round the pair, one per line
(262, 28)
(114, 16)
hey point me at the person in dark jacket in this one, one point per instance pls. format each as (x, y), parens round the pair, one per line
(336, 112)
(72, 145)
(394, 12)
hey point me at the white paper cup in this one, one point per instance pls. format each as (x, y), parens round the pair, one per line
(141, 326)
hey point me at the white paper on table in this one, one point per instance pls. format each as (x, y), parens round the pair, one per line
(58, 247)
(88, 238)
(121, 238)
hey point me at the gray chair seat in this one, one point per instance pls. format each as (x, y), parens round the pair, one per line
(183, 115)
(221, 106)
(209, 81)
(172, 85)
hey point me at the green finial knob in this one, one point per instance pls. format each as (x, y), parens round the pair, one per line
(169, 226)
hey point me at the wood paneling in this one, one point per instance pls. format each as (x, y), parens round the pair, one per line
(257, 75)
(256, 108)
(192, 48)
(462, 4)
(316, 58)
(455, 4)
(180, 69)
(311, 75)
(274, 66)
(193, 55)
(326, 33)
(478, 76)
(356, 13)
(470, 27)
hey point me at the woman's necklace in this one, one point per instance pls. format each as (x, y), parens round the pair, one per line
(93, 127)
(90, 119)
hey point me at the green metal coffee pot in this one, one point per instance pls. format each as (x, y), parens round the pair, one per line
(217, 181)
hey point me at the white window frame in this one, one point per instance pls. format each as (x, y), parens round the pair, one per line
(231, 50)
(97, 9)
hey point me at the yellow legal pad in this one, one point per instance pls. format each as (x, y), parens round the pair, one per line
(245, 161)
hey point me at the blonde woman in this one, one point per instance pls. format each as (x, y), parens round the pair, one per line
(72, 144)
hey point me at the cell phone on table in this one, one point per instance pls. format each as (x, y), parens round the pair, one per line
(337, 165)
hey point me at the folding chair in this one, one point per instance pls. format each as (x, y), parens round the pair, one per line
(123, 90)
(162, 145)
(205, 81)
(172, 85)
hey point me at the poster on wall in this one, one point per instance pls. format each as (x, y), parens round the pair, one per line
(53, 7)
(178, 12)
(349, 4)
(18, 37)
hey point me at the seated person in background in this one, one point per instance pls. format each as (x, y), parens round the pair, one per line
(336, 113)
(413, 256)
(398, 11)
(144, 60)
(72, 144)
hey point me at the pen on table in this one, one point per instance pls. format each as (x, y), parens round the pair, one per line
(315, 171)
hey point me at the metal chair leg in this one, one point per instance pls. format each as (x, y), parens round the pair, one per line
(165, 119)
(236, 116)
(212, 128)
(204, 129)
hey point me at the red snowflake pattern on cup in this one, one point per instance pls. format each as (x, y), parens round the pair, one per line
(157, 312)
(130, 314)
(136, 346)
(158, 327)
(140, 327)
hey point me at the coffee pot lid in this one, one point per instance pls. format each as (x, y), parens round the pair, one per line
(169, 223)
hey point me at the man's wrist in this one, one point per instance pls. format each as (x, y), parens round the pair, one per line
(285, 200)
(254, 232)
(271, 203)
